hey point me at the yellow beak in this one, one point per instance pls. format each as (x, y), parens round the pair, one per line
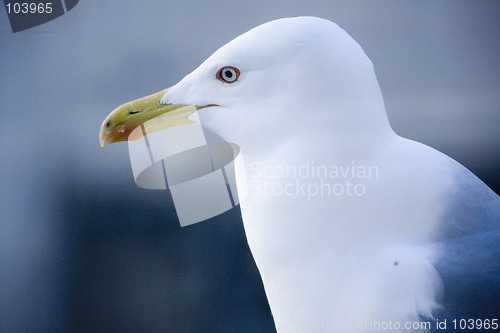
(120, 123)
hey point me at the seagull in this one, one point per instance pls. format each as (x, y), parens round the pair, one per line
(353, 227)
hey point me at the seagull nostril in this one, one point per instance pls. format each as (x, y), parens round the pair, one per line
(134, 112)
(108, 123)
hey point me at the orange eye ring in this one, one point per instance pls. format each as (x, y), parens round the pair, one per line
(228, 74)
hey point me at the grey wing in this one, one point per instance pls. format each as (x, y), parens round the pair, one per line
(469, 252)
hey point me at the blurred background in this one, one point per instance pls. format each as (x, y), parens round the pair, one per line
(83, 249)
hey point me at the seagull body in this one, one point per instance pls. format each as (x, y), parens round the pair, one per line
(353, 228)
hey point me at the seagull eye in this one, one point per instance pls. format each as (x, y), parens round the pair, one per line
(228, 74)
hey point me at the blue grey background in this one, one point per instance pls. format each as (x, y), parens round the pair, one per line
(83, 249)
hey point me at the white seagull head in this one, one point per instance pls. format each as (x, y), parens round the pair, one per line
(290, 76)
